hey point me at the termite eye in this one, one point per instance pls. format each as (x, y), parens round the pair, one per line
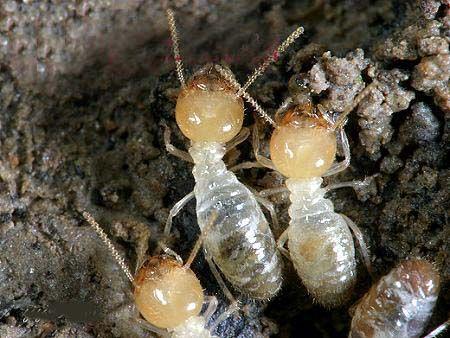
(303, 146)
(166, 294)
(208, 109)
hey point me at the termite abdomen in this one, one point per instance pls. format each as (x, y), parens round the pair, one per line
(400, 304)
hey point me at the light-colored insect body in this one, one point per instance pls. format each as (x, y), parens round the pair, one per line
(303, 148)
(240, 242)
(320, 243)
(168, 294)
(400, 304)
(210, 112)
(193, 327)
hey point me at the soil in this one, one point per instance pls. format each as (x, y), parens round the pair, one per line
(86, 88)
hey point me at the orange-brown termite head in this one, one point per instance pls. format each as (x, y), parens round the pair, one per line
(166, 293)
(304, 143)
(208, 108)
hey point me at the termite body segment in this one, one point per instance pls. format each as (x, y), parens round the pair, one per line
(168, 294)
(240, 242)
(400, 304)
(320, 244)
(210, 112)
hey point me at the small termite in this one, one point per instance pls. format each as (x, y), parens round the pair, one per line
(168, 294)
(400, 304)
(303, 148)
(210, 113)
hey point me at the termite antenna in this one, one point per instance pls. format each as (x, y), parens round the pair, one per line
(272, 58)
(119, 259)
(176, 49)
(343, 116)
(240, 92)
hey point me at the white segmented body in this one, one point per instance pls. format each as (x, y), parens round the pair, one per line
(194, 327)
(400, 304)
(240, 242)
(320, 243)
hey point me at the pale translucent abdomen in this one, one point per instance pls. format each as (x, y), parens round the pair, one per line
(320, 244)
(193, 327)
(400, 304)
(322, 250)
(240, 241)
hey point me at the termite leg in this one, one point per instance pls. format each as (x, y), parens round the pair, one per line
(437, 331)
(171, 149)
(249, 164)
(361, 242)
(211, 308)
(270, 207)
(246, 165)
(170, 252)
(175, 210)
(324, 113)
(273, 191)
(228, 312)
(350, 184)
(238, 139)
(218, 277)
(281, 242)
(264, 161)
(340, 166)
(147, 326)
(200, 239)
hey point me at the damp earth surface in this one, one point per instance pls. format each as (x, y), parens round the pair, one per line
(86, 88)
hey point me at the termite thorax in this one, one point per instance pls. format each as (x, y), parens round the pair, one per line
(307, 197)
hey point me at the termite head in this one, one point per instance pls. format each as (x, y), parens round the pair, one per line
(208, 108)
(166, 293)
(304, 143)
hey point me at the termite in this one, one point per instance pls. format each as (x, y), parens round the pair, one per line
(210, 112)
(303, 148)
(400, 304)
(168, 294)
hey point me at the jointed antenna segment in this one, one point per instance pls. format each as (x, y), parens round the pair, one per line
(343, 116)
(272, 58)
(240, 92)
(176, 49)
(119, 259)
